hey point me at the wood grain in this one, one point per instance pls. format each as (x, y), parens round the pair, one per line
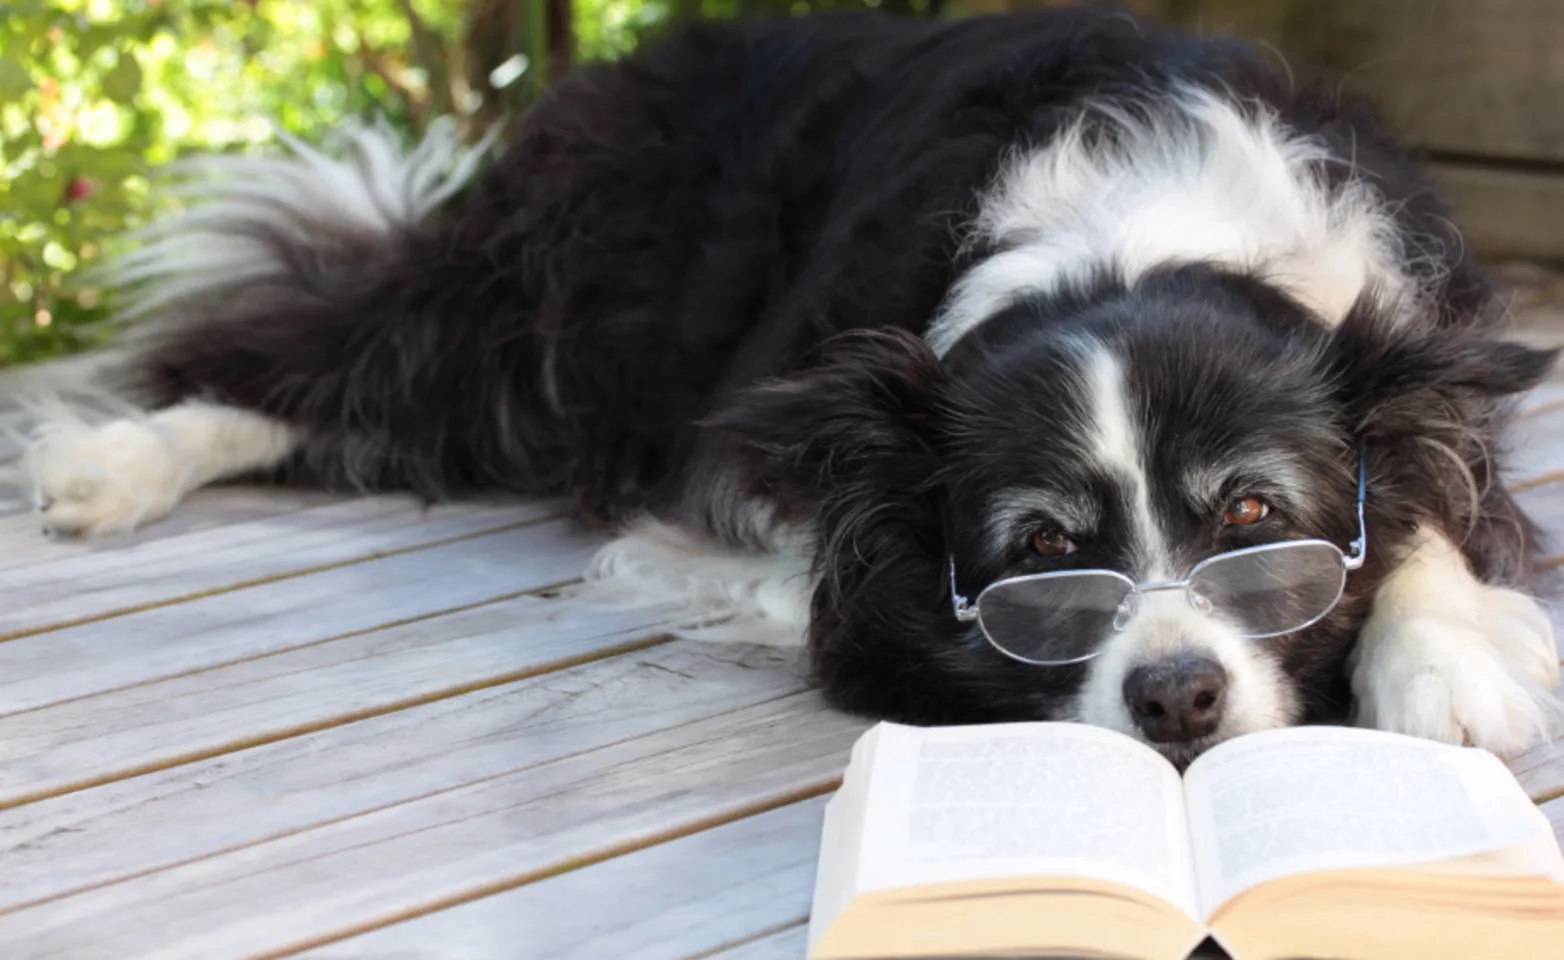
(1554, 809)
(1546, 398)
(314, 886)
(1506, 213)
(166, 641)
(1448, 75)
(73, 587)
(1544, 504)
(693, 896)
(1536, 450)
(91, 837)
(1540, 771)
(786, 944)
(13, 435)
(138, 729)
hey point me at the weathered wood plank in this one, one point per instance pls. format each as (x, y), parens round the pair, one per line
(1545, 399)
(87, 838)
(1544, 504)
(311, 887)
(1506, 213)
(1541, 771)
(1536, 449)
(786, 944)
(77, 588)
(693, 896)
(13, 435)
(14, 502)
(1449, 75)
(46, 668)
(54, 378)
(138, 729)
(1555, 812)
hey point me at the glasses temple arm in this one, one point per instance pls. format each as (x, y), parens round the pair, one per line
(963, 608)
(1360, 545)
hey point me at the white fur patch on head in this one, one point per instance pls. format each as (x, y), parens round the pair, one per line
(375, 187)
(1258, 697)
(1190, 178)
(1117, 445)
(1450, 658)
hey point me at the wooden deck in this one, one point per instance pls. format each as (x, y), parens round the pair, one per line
(287, 724)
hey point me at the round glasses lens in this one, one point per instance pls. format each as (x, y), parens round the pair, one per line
(1054, 618)
(1271, 590)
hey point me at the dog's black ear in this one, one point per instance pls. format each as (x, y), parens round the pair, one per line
(852, 442)
(1401, 376)
(862, 412)
(1430, 402)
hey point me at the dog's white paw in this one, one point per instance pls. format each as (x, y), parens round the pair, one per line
(1477, 670)
(95, 480)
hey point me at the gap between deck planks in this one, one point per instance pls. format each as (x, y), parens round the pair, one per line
(689, 897)
(186, 820)
(787, 943)
(117, 734)
(48, 595)
(41, 669)
(516, 797)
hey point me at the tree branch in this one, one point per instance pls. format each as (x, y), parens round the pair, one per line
(375, 62)
(430, 54)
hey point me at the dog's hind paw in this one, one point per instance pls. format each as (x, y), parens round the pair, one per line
(97, 480)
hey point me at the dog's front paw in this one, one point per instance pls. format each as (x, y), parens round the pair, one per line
(1480, 676)
(95, 480)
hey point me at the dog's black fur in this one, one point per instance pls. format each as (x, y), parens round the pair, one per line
(701, 277)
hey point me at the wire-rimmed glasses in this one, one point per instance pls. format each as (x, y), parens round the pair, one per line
(1056, 619)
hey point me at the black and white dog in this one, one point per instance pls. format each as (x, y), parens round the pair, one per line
(814, 310)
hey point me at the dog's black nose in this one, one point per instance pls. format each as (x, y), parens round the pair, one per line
(1177, 699)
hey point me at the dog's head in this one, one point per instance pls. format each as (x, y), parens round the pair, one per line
(1139, 430)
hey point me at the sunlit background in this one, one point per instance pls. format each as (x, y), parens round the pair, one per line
(94, 94)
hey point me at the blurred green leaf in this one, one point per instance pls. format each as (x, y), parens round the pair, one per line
(14, 80)
(122, 83)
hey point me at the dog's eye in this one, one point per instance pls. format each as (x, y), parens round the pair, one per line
(1051, 543)
(1244, 511)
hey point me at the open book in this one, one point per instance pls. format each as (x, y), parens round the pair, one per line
(1055, 839)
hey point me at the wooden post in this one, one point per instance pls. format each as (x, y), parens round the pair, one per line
(561, 38)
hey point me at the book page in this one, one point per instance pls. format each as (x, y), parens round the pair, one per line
(1325, 798)
(1026, 799)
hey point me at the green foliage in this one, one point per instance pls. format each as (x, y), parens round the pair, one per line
(96, 94)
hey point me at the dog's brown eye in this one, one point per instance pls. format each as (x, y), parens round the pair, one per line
(1051, 543)
(1241, 513)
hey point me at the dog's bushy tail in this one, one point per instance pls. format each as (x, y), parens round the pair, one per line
(332, 290)
(253, 221)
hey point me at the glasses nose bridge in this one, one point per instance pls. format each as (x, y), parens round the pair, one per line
(1163, 596)
(1161, 586)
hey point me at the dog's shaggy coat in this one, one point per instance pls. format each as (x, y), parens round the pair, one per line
(808, 307)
